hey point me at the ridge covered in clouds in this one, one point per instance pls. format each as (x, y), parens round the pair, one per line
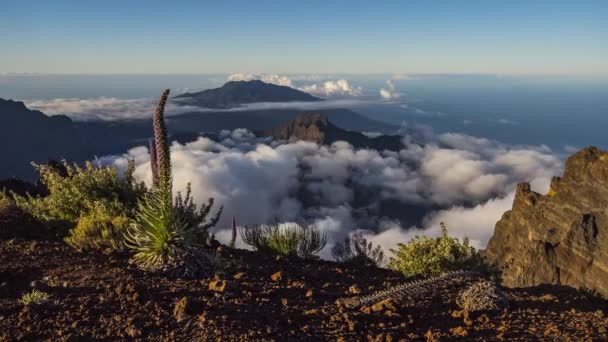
(328, 88)
(338, 93)
(258, 180)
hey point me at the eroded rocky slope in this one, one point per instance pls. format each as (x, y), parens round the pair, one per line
(560, 237)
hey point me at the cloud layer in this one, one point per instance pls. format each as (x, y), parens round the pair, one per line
(258, 181)
(329, 88)
(115, 109)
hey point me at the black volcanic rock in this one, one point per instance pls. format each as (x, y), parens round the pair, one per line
(29, 135)
(561, 237)
(316, 128)
(235, 93)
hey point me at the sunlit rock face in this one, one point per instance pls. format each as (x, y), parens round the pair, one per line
(560, 237)
(315, 127)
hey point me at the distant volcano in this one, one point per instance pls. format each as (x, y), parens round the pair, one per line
(235, 93)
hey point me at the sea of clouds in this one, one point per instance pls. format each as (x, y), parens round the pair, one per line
(258, 181)
(337, 93)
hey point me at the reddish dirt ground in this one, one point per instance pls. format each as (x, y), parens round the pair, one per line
(258, 297)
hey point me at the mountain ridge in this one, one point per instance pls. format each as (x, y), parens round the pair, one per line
(317, 128)
(236, 93)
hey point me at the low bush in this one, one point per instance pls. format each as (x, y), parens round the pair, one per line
(356, 250)
(285, 239)
(93, 201)
(430, 256)
(5, 201)
(34, 297)
(75, 191)
(101, 230)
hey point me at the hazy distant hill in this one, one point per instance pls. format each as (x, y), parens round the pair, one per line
(29, 135)
(235, 93)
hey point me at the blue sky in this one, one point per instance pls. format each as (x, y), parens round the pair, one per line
(504, 37)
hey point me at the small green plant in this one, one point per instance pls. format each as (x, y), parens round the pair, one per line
(5, 200)
(285, 239)
(94, 201)
(34, 297)
(100, 229)
(168, 236)
(356, 250)
(431, 256)
(81, 191)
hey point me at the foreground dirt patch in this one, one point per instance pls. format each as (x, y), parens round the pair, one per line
(258, 297)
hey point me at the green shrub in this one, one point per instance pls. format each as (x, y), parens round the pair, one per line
(93, 201)
(431, 256)
(356, 250)
(81, 191)
(285, 239)
(100, 229)
(34, 297)
(5, 200)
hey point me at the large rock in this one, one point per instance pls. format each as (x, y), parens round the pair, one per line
(315, 127)
(560, 237)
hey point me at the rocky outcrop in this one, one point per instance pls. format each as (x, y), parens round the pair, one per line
(315, 127)
(560, 237)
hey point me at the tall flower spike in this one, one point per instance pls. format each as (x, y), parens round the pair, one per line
(233, 240)
(163, 155)
(153, 162)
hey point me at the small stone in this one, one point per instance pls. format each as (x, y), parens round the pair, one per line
(311, 312)
(284, 301)
(309, 293)
(387, 304)
(351, 325)
(297, 284)
(354, 289)
(180, 311)
(459, 331)
(238, 275)
(547, 297)
(456, 313)
(277, 276)
(133, 331)
(218, 285)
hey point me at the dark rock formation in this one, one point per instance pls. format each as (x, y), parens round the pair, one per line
(29, 135)
(236, 93)
(316, 128)
(561, 237)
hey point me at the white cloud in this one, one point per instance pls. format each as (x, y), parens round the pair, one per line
(389, 93)
(106, 108)
(333, 88)
(114, 109)
(476, 223)
(402, 77)
(505, 121)
(329, 88)
(258, 181)
(268, 78)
